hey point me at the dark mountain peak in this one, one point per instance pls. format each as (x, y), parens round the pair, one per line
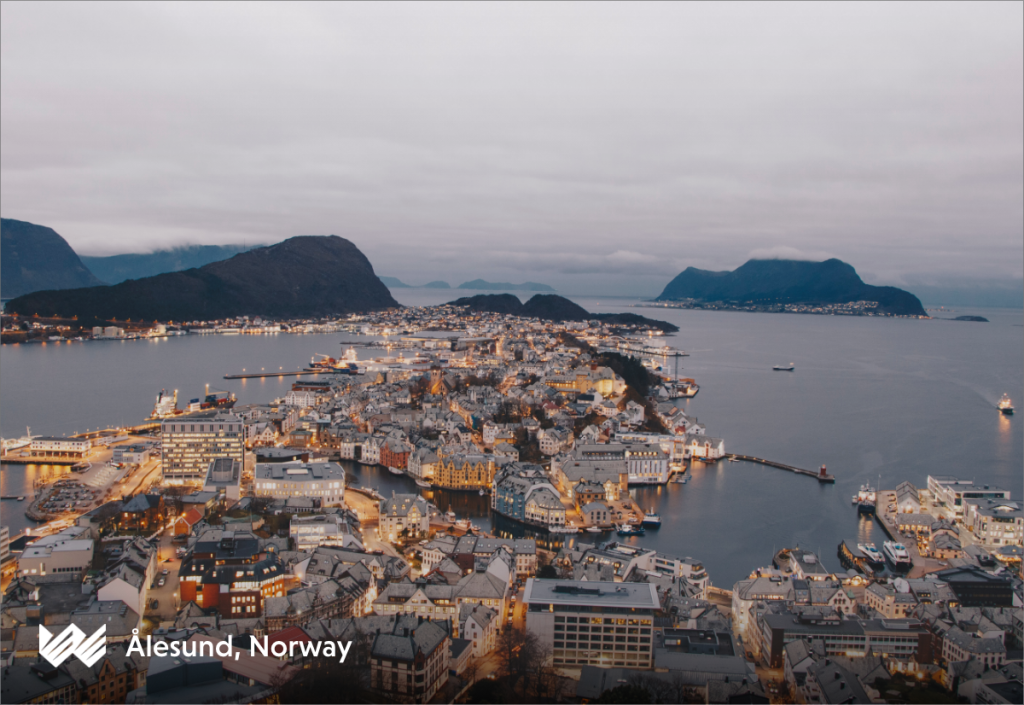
(782, 281)
(551, 307)
(34, 257)
(554, 307)
(304, 276)
(492, 303)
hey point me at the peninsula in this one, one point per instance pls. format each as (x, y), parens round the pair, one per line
(551, 307)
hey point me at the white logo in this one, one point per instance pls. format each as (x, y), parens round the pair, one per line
(72, 640)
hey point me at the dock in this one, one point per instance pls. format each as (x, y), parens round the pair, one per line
(258, 375)
(821, 476)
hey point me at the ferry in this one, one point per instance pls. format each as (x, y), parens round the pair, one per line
(652, 519)
(897, 553)
(1005, 406)
(872, 554)
(785, 368)
(627, 530)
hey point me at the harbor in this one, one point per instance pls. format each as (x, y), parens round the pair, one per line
(821, 476)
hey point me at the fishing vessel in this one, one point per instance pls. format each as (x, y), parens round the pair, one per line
(872, 554)
(865, 499)
(1005, 406)
(897, 554)
(652, 519)
(784, 368)
(628, 530)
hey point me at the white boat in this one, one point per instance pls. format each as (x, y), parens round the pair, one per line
(482, 492)
(594, 529)
(897, 553)
(449, 516)
(395, 471)
(422, 483)
(871, 553)
(652, 519)
(784, 368)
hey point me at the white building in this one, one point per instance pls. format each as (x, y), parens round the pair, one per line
(593, 623)
(64, 552)
(403, 512)
(324, 481)
(189, 443)
(64, 447)
(994, 522)
(309, 532)
(225, 476)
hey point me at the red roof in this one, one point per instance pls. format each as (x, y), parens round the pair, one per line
(290, 634)
(192, 516)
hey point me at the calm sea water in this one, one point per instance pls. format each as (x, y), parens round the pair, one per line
(900, 399)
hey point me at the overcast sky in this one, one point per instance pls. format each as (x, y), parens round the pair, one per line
(593, 147)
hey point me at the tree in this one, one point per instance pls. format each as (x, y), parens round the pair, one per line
(547, 572)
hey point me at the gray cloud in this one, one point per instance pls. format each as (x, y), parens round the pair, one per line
(608, 146)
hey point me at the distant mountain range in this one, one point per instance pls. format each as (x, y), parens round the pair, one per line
(482, 285)
(307, 276)
(34, 257)
(118, 268)
(768, 282)
(396, 283)
(551, 307)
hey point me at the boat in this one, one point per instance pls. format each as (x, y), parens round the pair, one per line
(865, 500)
(15, 443)
(628, 530)
(166, 405)
(449, 516)
(1005, 406)
(594, 529)
(685, 388)
(652, 519)
(21, 499)
(897, 554)
(217, 400)
(872, 554)
(462, 524)
(395, 471)
(733, 460)
(681, 479)
(784, 368)
(422, 483)
(482, 492)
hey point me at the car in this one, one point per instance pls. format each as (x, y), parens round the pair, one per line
(161, 582)
(164, 571)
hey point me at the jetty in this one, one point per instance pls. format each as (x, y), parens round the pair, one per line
(821, 476)
(258, 375)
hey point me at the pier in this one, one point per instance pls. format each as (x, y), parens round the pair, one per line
(258, 375)
(820, 476)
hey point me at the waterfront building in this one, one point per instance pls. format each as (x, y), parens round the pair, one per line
(994, 522)
(224, 476)
(410, 664)
(949, 494)
(189, 443)
(592, 623)
(64, 552)
(460, 471)
(324, 481)
(646, 463)
(522, 492)
(5, 544)
(406, 514)
(56, 447)
(422, 464)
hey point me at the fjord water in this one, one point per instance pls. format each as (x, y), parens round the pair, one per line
(870, 397)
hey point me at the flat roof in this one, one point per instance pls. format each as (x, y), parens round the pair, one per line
(592, 593)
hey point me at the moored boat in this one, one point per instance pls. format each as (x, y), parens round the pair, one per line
(897, 554)
(420, 482)
(872, 554)
(784, 368)
(395, 471)
(652, 519)
(629, 530)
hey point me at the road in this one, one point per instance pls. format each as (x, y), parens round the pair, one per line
(167, 595)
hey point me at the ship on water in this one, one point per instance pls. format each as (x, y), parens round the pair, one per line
(630, 530)
(865, 499)
(347, 364)
(897, 554)
(216, 400)
(652, 519)
(871, 554)
(784, 368)
(1005, 405)
(166, 405)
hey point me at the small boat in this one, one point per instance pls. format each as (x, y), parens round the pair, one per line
(395, 471)
(21, 499)
(733, 460)
(420, 482)
(462, 524)
(449, 516)
(872, 554)
(482, 492)
(628, 530)
(784, 368)
(1005, 406)
(652, 519)
(594, 529)
(681, 479)
(897, 553)
(865, 500)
